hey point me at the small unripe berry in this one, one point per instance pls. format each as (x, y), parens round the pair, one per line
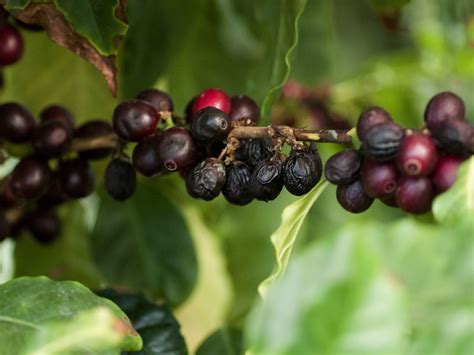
(414, 195)
(206, 180)
(378, 179)
(214, 98)
(417, 155)
(236, 189)
(353, 198)
(443, 106)
(369, 118)
(210, 125)
(445, 172)
(343, 167)
(16, 122)
(243, 107)
(11, 45)
(133, 120)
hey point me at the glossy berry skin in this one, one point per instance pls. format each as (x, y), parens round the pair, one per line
(134, 119)
(212, 97)
(236, 189)
(91, 129)
(145, 157)
(206, 180)
(57, 113)
(371, 117)
(253, 151)
(417, 155)
(44, 225)
(443, 106)
(414, 195)
(381, 141)
(343, 167)
(160, 100)
(16, 123)
(30, 178)
(266, 181)
(243, 107)
(120, 179)
(445, 172)
(51, 138)
(454, 136)
(210, 125)
(55, 194)
(378, 179)
(353, 198)
(176, 149)
(11, 45)
(302, 171)
(77, 177)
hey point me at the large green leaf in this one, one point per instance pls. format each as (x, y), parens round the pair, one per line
(224, 341)
(144, 244)
(29, 305)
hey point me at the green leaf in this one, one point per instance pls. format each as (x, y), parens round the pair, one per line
(456, 206)
(28, 305)
(144, 244)
(285, 236)
(224, 341)
(156, 324)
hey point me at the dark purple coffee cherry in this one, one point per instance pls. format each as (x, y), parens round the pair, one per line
(253, 151)
(378, 179)
(212, 98)
(343, 167)
(414, 194)
(417, 155)
(55, 194)
(176, 149)
(4, 227)
(145, 157)
(390, 200)
(30, 178)
(353, 198)
(443, 106)
(445, 172)
(92, 129)
(51, 138)
(266, 181)
(11, 45)
(454, 136)
(76, 177)
(16, 122)
(120, 179)
(236, 189)
(370, 118)
(44, 225)
(134, 119)
(57, 113)
(206, 180)
(210, 125)
(381, 141)
(243, 107)
(302, 170)
(160, 100)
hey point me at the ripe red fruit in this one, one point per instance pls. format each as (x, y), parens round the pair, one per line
(443, 106)
(134, 119)
(378, 179)
(445, 172)
(414, 195)
(212, 97)
(417, 155)
(371, 117)
(11, 45)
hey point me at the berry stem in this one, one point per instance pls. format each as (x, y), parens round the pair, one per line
(107, 141)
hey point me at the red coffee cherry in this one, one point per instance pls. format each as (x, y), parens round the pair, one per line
(11, 45)
(378, 179)
(417, 155)
(212, 97)
(445, 172)
(414, 194)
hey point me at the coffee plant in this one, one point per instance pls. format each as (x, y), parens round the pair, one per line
(236, 177)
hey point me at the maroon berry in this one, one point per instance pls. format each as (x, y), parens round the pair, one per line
(133, 120)
(353, 198)
(243, 107)
(145, 157)
(176, 149)
(160, 100)
(44, 225)
(11, 45)
(57, 113)
(445, 172)
(369, 118)
(443, 106)
(91, 129)
(55, 194)
(30, 178)
(51, 138)
(454, 136)
(16, 122)
(414, 194)
(343, 167)
(389, 200)
(212, 97)
(417, 155)
(378, 179)
(76, 177)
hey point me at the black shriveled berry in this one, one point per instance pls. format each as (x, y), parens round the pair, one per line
(455, 136)
(160, 100)
(302, 170)
(76, 177)
(417, 155)
(4, 227)
(51, 138)
(378, 179)
(210, 125)
(353, 198)
(176, 149)
(11, 45)
(91, 129)
(243, 107)
(343, 167)
(134, 119)
(253, 151)
(120, 179)
(44, 225)
(443, 106)
(414, 195)
(30, 178)
(369, 118)
(16, 122)
(145, 157)
(57, 113)
(55, 194)
(266, 181)
(381, 141)
(205, 180)
(236, 188)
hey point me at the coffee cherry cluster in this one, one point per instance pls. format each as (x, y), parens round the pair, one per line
(403, 168)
